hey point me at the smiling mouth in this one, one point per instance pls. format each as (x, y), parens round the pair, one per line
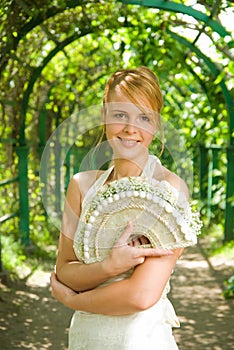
(128, 142)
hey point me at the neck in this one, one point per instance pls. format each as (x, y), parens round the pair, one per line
(126, 167)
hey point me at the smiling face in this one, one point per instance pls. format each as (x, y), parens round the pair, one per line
(129, 128)
(131, 111)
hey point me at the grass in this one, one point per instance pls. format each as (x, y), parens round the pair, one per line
(19, 261)
(216, 246)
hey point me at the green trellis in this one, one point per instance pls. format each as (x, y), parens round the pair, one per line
(208, 21)
(22, 148)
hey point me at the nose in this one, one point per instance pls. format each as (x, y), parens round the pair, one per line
(130, 127)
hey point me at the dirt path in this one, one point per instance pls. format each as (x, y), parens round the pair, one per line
(207, 319)
(31, 319)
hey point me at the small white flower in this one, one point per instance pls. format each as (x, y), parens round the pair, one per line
(88, 226)
(99, 207)
(92, 219)
(122, 195)
(149, 196)
(185, 231)
(86, 255)
(162, 203)
(188, 236)
(168, 208)
(86, 234)
(86, 241)
(155, 199)
(116, 196)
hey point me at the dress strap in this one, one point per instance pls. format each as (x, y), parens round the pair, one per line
(150, 166)
(97, 184)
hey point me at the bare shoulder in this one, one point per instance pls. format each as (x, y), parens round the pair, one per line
(84, 180)
(89, 175)
(174, 180)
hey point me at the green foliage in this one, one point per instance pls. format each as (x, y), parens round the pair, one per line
(217, 246)
(12, 253)
(21, 260)
(57, 57)
(229, 288)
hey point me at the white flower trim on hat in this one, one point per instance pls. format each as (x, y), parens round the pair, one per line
(158, 204)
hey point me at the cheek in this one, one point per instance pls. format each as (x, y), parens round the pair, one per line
(113, 129)
(148, 132)
(148, 137)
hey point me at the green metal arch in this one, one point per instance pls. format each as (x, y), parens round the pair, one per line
(216, 72)
(35, 76)
(166, 5)
(171, 6)
(34, 22)
(161, 4)
(176, 7)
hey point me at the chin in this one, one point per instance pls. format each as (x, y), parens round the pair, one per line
(130, 154)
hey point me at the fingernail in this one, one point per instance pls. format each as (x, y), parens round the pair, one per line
(169, 252)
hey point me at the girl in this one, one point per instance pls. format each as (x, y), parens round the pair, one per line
(121, 300)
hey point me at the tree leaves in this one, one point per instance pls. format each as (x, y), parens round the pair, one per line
(61, 54)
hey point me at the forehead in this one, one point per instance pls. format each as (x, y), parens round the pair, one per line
(120, 102)
(127, 107)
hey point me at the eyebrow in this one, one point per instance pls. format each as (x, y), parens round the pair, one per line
(119, 111)
(124, 111)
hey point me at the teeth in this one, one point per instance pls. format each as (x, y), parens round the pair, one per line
(129, 141)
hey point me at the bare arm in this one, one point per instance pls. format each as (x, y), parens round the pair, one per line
(142, 290)
(123, 257)
(79, 276)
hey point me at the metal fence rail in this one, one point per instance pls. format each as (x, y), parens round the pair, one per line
(8, 216)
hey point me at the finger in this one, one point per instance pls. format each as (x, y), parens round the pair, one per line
(53, 277)
(126, 234)
(51, 289)
(53, 280)
(153, 252)
(141, 260)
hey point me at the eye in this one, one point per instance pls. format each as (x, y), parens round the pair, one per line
(120, 115)
(144, 118)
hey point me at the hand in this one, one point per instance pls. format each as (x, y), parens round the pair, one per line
(59, 291)
(125, 254)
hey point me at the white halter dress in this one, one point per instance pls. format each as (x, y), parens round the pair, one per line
(150, 329)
